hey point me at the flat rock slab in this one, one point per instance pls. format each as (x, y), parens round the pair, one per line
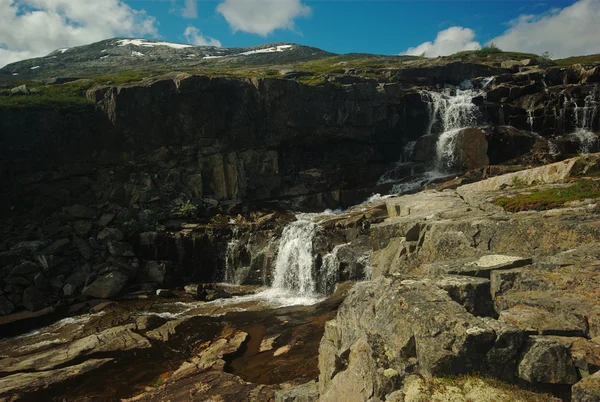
(14, 386)
(538, 321)
(478, 266)
(110, 340)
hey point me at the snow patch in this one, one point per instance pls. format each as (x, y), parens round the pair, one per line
(212, 57)
(103, 50)
(15, 74)
(63, 50)
(142, 42)
(138, 54)
(35, 67)
(280, 48)
(103, 57)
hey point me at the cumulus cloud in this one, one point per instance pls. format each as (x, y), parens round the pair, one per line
(195, 37)
(447, 42)
(33, 28)
(189, 9)
(571, 31)
(262, 16)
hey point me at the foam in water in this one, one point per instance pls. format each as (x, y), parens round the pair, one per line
(584, 118)
(454, 110)
(295, 263)
(331, 268)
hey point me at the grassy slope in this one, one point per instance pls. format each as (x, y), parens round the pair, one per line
(71, 96)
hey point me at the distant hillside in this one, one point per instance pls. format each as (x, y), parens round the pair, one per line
(114, 56)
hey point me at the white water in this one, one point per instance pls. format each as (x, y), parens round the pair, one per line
(331, 268)
(584, 118)
(454, 110)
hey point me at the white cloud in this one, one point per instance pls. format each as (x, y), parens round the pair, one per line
(190, 9)
(195, 37)
(33, 28)
(262, 16)
(571, 31)
(447, 42)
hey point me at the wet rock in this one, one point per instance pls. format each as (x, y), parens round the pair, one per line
(155, 271)
(587, 390)
(546, 361)
(81, 211)
(148, 322)
(109, 235)
(308, 392)
(110, 340)
(82, 228)
(164, 293)
(196, 290)
(33, 299)
(6, 307)
(471, 148)
(56, 248)
(215, 294)
(267, 344)
(211, 357)
(107, 286)
(17, 385)
(26, 268)
(9, 257)
(103, 306)
(120, 249)
(164, 332)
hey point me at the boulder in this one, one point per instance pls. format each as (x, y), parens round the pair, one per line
(110, 234)
(20, 90)
(56, 248)
(148, 238)
(308, 392)
(82, 227)
(471, 149)
(155, 271)
(538, 321)
(107, 286)
(120, 249)
(6, 307)
(507, 143)
(164, 293)
(40, 281)
(546, 361)
(587, 390)
(105, 219)
(437, 337)
(81, 212)
(86, 251)
(33, 299)
(26, 268)
(28, 246)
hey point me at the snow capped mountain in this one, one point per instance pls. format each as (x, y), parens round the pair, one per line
(119, 54)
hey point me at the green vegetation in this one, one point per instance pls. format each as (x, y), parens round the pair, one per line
(68, 97)
(186, 208)
(517, 181)
(551, 198)
(158, 383)
(465, 382)
(591, 59)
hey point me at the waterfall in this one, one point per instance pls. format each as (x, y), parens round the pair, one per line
(231, 260)
(331, 269)
(530, 119)
(295, 263)
(584, 118)
(455, 110)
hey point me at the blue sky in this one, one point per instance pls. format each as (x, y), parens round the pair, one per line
(344, 26)
(32, 28)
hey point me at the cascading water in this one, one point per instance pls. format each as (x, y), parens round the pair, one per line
(295, 263)
(454, 110)
(584, 119)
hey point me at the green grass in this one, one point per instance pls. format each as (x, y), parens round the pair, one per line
(68, 97)
(591, 59)
(551, 198)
